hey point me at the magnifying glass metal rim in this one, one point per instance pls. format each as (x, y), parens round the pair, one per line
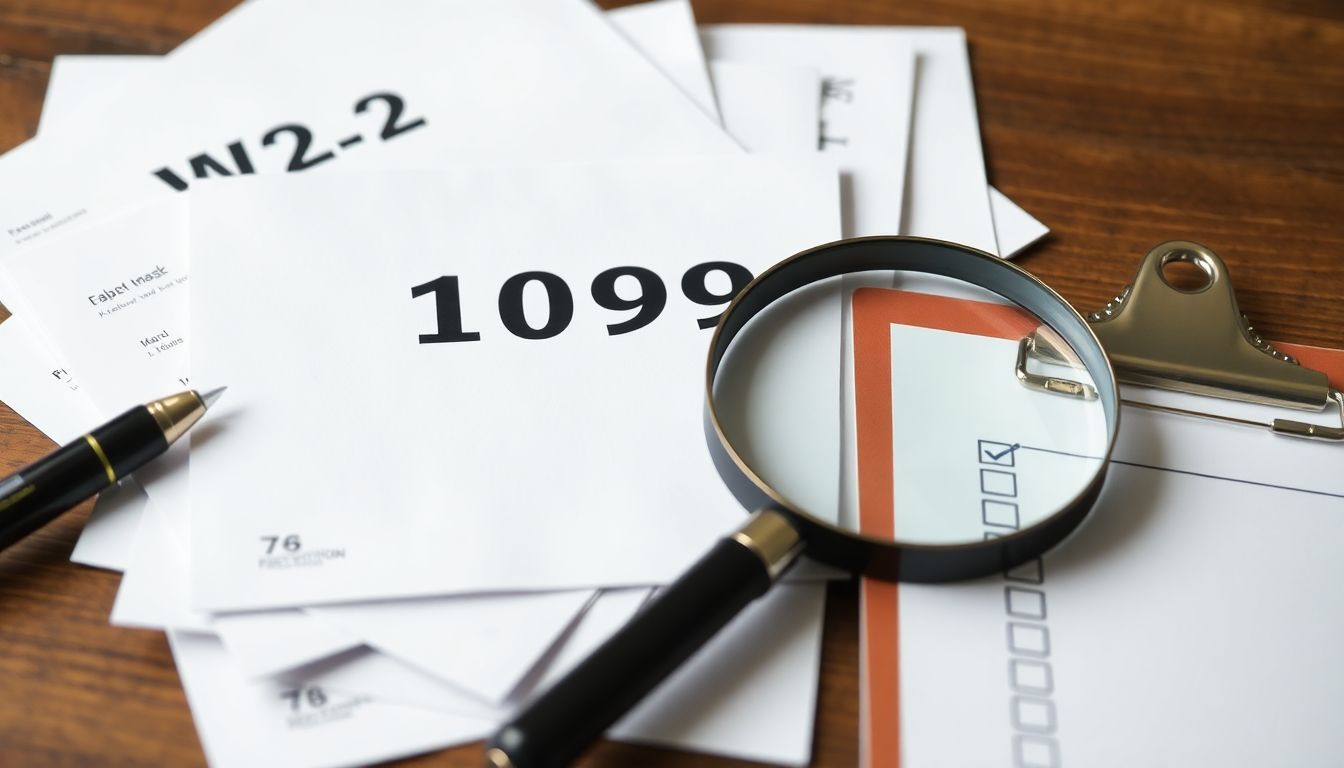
(892, 559)
(556, 726)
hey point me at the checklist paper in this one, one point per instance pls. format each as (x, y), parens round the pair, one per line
(1191, 620)
(499, 293)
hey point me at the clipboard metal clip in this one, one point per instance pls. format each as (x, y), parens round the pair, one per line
(1194, 339)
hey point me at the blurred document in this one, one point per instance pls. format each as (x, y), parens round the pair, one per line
(769, 108)
(946, 192)
(268, 723)
(473, 641)
(867, 91)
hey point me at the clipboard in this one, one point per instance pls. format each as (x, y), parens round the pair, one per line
(1148, 330)
(875, 310)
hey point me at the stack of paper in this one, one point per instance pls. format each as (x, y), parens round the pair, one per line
(482, 243)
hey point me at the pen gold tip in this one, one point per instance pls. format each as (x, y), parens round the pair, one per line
(210, 397)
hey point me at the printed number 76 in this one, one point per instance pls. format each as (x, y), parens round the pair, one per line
(290, 543)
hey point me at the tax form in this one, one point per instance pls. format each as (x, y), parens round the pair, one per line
(52, 177)
(677, 715)
(300, 101)
(485, 303)
(693, 727)
(77, 82)
(1192, 619)
(222, 35)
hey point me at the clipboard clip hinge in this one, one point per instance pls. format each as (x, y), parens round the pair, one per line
(1194, 339)
(1027, 347)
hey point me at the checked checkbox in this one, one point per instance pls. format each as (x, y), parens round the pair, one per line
(998, 454)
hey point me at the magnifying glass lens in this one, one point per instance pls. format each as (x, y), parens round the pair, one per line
(912, 408)
(904, 408)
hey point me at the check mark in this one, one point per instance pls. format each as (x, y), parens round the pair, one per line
(1004, 452)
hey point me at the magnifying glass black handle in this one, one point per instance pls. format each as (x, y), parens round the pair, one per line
(556, 726)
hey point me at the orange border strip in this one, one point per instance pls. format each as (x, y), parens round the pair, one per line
(874, 311)
(1321, 358)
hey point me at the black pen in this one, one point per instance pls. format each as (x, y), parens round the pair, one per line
(38, 493)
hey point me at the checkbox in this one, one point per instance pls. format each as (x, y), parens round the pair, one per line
(998, 483)
(998, 454)
(1029, 676)
(1035, 715)
(1024, 603)
(1028, 639)
(1030, 572)
(1000, 513)
(1035, 752)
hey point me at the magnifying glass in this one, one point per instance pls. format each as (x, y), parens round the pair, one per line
(985, 411)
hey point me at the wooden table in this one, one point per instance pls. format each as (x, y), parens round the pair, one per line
(1120, 125)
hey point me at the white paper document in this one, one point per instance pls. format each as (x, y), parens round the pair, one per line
(155, 113)
(482, 644)
(744, 694)
(769, 108)
(85, 88)
(1014, 228)
(585, 91)
(83, 82)
(484, 340)
(867, 90)
(270, 723)
(750, 693)
(946, 192)
(664, 31)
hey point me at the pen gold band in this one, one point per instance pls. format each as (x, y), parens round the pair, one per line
(98, 451)
(176, 414)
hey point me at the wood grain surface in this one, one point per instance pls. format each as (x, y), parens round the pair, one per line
(1119, 125)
